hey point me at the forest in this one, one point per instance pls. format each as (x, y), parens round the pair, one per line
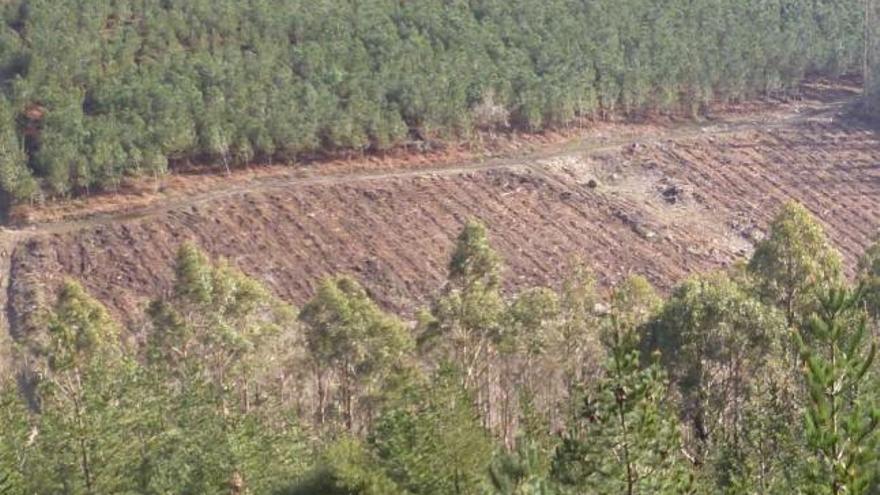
(95, 91)
(872, 57)
(761, 378)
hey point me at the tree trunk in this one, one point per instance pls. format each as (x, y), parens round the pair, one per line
(85, 463)
(348, 399)
(322, 395)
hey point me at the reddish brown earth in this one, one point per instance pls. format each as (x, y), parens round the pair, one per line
(667, 202)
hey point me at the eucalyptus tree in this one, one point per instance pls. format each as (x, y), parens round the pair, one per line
(716, 340)
(213, 415)
(214, 323)
(78, 444)
(465, 320)
(348, 335)
(869, 278)
(795, 262)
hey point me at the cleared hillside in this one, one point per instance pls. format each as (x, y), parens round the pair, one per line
(675, 202)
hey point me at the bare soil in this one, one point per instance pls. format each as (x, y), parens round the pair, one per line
(661, 199)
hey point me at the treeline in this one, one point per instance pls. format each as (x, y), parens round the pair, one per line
(872, 57)
(97, 90)
(760, 379)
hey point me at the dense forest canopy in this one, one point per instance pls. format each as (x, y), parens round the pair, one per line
(92, 91)
(758, 379)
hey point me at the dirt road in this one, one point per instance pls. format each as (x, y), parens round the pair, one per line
(661, 201)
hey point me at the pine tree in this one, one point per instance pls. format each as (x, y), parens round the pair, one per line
(625, 438)
(16, 178)
(841, 417)
(192, 81)
(431, 441)
(520, 472)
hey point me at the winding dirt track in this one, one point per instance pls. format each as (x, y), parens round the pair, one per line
(691, 198)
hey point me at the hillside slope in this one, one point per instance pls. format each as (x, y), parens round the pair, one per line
(666, 203)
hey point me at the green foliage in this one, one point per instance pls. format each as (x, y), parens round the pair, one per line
(872, 58)
(429, 441)
(719, 344)
(80, 329)
(191, 440)
(348, 327)
(206, 358)
(346, 467)
(214, 320)
(869, 277)
(626, 438)
(795, 262)
(633, 303)
(81, 443)
(579, 349)
(15, 429)
(348, 333)
(94, 93)
(841, 415)
(520, 472)
(217, 398)
(527, 328)
(188, 419)
(77, 445)
(432, 442)
(466, 319)
(474, 262)
(760, 456)
(16, 179)
(523, 362)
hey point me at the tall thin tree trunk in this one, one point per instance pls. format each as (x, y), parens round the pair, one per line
(621, 416)
(85, 463)
(348, 399)
(322, 395)
(247, 396)
(836, 484)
